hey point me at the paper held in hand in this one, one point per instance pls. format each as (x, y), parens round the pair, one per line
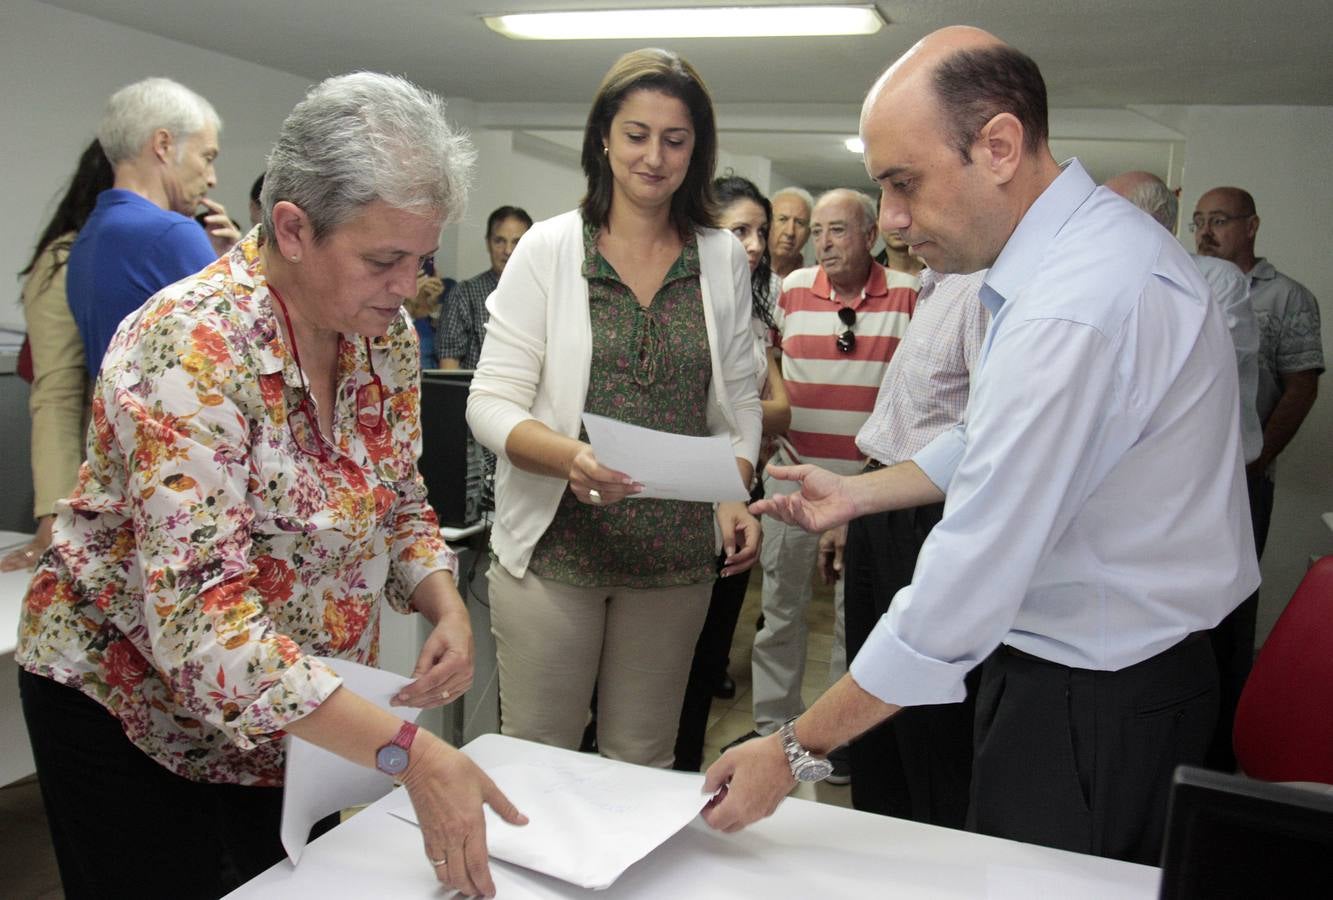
(669, 466)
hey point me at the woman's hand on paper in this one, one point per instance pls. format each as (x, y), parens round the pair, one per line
(595, 484)
(740, 537)
(448, 791)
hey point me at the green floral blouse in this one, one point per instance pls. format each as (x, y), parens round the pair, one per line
(650, 367)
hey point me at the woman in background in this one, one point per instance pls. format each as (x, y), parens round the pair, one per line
(746, 213)
(58, 402)
(634, 307)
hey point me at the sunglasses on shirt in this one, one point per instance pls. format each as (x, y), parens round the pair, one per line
(846, 341)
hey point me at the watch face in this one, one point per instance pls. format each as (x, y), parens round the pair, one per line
(391, 759)
(812, 769)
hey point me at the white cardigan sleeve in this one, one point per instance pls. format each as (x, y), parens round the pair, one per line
(738, 394)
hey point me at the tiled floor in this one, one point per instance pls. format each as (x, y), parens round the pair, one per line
(28, 870)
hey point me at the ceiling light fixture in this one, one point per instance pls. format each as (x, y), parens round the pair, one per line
(688, 22)
(855, 145)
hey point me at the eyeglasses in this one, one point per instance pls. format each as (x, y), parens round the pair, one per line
(301, 422)
(846, 341)
(1215, 221)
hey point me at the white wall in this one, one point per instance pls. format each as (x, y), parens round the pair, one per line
(59, 67)
(1280, 155)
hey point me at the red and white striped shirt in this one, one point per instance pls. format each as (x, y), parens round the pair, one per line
(833, 392)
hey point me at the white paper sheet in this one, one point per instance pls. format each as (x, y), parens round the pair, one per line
(589, 819)
(669, 466)
(319, 783)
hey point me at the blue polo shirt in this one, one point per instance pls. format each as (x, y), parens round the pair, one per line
(129, 249)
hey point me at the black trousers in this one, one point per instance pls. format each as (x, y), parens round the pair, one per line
(1081, 759)
(917, 765)
(124, 826)
(1233, 638)
(711, 652)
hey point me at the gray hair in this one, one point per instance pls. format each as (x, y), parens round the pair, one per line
(869, 212)
(363, 137)
(798, 192)
(1157, 200)
(136, 111)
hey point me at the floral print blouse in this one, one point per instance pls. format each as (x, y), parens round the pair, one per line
(649, 367)
(203, 559)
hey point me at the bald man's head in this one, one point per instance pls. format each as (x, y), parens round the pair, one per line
(955, 136)
(1225, 226)
(972, 76)
(1150, 194)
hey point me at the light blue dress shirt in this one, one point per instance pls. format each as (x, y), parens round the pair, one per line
(1096, 511)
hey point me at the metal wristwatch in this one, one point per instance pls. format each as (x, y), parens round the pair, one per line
(391, 759)
(804, 766)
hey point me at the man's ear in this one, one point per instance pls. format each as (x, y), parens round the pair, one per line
(164, 148)
(1000, 146)
(1252, 226)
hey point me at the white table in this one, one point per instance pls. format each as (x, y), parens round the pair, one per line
(15, 754)
(805, 849)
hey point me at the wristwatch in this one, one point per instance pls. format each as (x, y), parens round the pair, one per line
(391, 759)
(804, 766)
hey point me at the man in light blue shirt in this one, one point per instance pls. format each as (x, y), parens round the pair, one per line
(1095, 520)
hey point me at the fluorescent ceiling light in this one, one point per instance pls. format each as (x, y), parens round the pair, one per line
(689, 22)
(855, 145)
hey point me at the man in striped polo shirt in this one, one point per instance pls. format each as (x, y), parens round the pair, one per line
(838, 324)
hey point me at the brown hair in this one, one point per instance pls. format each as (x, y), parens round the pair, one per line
(663, 71)
(974, 86)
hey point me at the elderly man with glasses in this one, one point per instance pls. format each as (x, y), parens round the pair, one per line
(1291, 356)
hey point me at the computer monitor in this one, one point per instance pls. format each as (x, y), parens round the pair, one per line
(451, 462)
(1231, 836)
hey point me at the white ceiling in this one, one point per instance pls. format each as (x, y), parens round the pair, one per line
(1094, 54)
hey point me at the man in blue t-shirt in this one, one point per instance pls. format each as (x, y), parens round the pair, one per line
(161, 139)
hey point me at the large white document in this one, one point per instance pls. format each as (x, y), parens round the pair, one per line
(669, 466)
(319, 783)
(589, 819)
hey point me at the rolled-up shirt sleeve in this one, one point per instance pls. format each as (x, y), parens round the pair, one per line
(940, 458)
(1009, 480)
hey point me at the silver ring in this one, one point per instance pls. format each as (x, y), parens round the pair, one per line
(442, 861)
(594, 497)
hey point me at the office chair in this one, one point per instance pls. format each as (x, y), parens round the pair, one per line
(1284, 721)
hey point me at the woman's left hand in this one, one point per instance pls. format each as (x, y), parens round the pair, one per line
(444, 668)
(740, 537)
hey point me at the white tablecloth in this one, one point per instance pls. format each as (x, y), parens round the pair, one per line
(805, 849)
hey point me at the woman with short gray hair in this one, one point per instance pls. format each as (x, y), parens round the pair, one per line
(250, 494)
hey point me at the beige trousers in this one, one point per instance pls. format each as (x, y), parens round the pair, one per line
(555, 641)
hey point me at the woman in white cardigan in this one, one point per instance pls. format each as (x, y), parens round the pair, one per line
(633, 307)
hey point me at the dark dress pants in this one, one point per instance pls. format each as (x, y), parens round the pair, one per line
(1233, 638)
(918, 764)
(1082, 760)
(124, 826)
(711, 652)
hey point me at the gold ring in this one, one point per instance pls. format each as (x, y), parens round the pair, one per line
(444, 694)
(442, 861)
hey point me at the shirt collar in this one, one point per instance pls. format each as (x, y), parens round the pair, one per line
(877, 285)
(1263, 270)
(1023, 252)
